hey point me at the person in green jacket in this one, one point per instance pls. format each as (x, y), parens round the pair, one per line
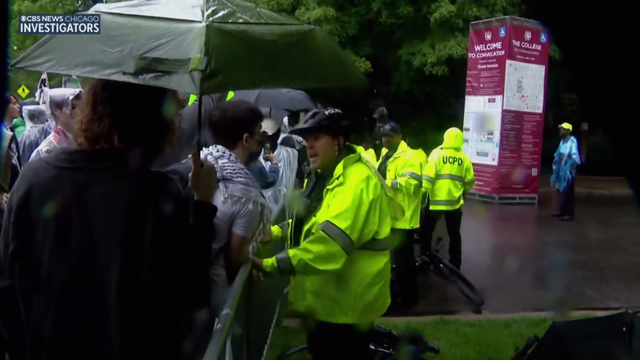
(341, 263)
(12, 119)
(19, 126)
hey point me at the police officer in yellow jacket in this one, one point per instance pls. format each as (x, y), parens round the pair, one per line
(448, 176)
(342, 267)
(368, 154)
(363, 146)
(402, 171)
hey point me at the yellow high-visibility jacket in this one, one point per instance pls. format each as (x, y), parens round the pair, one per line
(449, 173)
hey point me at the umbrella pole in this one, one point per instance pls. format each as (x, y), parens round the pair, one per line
(199, 129)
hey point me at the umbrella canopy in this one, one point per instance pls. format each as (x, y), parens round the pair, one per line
(279, 101)
(198, 46)
(187, 121)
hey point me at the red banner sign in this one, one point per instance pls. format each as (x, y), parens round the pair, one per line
(505, 103)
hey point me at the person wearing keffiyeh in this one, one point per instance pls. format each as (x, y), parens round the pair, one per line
(243, 211)
(62, 103)
(565, 163)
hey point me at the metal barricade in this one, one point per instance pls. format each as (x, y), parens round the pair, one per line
(244, 328)
(234, 316)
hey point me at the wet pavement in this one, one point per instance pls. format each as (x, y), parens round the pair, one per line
(522, 259)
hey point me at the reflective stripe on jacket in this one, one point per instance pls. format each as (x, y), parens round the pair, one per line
(449, 173)
(422, 157)
(404, 177)
(341, 270)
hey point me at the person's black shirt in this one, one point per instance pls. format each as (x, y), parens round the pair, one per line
(180, 172)
(384, 162)
(108, 262)
(377, 138)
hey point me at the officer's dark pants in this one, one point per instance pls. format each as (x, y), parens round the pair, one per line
(453, 218)
(567, 200)
(328, 341)
(406, 272)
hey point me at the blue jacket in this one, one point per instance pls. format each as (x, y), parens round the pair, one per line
(264, 178)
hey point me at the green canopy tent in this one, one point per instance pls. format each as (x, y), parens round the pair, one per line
(198, 47)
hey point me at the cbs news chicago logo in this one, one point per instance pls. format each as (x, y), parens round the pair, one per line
(56, 24)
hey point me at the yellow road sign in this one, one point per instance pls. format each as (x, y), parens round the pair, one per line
(23, 91)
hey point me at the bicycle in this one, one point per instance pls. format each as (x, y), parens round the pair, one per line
(431, 262)
(521, 354)
(385, 344)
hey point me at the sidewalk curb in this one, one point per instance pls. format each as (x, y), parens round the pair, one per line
(296, 323)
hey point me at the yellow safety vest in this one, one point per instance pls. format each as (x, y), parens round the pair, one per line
(371, 156)
(341, 270)
(449, 173)
(422, 157)
(368, 154)
(404, 177)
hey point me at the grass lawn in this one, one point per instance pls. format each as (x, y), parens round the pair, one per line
(458, 339)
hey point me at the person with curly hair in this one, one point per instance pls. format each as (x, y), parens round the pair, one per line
(109, 258)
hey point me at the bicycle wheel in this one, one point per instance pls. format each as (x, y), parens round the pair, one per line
(463, 284)
(381, 353)
(300, 352)
(432, 265)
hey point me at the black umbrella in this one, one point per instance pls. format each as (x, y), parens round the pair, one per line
(188, 130)
(615, 336)
(280, 101)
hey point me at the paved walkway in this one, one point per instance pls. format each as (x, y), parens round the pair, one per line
(592, 186)
(523, 260)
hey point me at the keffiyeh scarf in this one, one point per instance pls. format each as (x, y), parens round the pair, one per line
(237, 184)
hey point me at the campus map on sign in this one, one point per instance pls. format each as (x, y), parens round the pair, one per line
(524, 87)
(481, 128)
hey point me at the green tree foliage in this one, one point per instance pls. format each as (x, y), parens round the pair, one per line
(414, 51)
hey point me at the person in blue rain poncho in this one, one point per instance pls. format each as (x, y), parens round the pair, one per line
(565, 163)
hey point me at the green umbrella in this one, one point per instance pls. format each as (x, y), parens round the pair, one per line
(198, 47)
